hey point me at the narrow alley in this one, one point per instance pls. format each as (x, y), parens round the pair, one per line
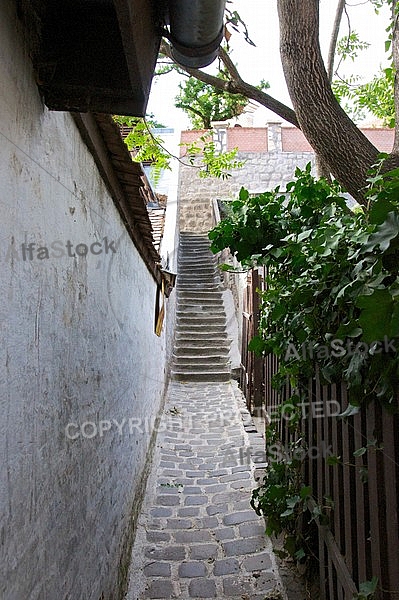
(197, 535)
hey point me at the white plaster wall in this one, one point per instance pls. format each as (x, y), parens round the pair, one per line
(77, 347)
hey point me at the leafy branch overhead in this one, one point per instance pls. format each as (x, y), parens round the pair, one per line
(203, 155)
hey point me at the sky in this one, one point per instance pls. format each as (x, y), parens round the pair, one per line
(263, 61)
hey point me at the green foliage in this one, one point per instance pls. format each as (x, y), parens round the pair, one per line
(331, 295)
(147, 147)
(350, 45)
(376, 96)
(282, 499)
(144, 145)
(332, 284)
(203, 103)
(367, 590)
(211, 163)
(234, 20)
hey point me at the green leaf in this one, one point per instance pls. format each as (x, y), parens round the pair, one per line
(384, 234)
(333, 460)
(379, 211)
(367, 588)
(300, 554)
(377, 315)
(360, 451)
(225, 267)
(305, 492)
(290, 544)
(364, 474)
(293, 501)
(350, 411)
(287, 513)
(256, 345)
(244, 194)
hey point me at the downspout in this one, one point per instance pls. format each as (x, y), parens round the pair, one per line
(196, 31)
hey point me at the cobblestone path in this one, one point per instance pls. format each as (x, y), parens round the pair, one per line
(197, 535)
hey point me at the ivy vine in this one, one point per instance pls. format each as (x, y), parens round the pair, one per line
(330, 304)
(332, 286)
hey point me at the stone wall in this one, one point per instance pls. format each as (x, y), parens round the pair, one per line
(262, 171)
(82, 373)
(271, 155)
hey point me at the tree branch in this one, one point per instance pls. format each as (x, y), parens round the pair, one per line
(230, 66)
(237, 86)
(199, 114)
(334, 39)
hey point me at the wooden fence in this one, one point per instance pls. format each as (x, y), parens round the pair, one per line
(361, 540)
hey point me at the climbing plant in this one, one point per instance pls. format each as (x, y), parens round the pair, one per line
(333, 280)
(330, 305)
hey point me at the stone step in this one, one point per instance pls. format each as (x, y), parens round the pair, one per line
(194, 238)
(206, 259)
(202, 315)
(195, 337)
(191, 241)
(200, 295)
(195, 270)
(197, 248)
(203, 350)
(222, 375)
(195, 256)
(198, 286)
(198, 256)
(201, 308)
(190, 341)
(199, 333)
(197, 278)
(196, 296)
(198, 260)
(196, 365)
(196, 334)
(207, 316)
(212, 359)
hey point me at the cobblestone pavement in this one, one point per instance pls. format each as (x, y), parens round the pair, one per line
(197, 535)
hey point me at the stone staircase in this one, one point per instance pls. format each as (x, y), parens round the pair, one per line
(201, 351)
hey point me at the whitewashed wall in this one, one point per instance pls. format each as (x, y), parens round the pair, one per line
(82, 374)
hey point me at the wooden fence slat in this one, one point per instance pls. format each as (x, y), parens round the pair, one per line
(374, 496)
(362, 520)
(391, 468)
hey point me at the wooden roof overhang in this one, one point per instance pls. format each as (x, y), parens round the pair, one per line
(125, 181)
(94, 55)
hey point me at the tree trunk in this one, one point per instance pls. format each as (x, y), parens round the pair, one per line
(329, 130)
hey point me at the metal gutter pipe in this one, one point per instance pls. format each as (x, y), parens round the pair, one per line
(196, 31)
